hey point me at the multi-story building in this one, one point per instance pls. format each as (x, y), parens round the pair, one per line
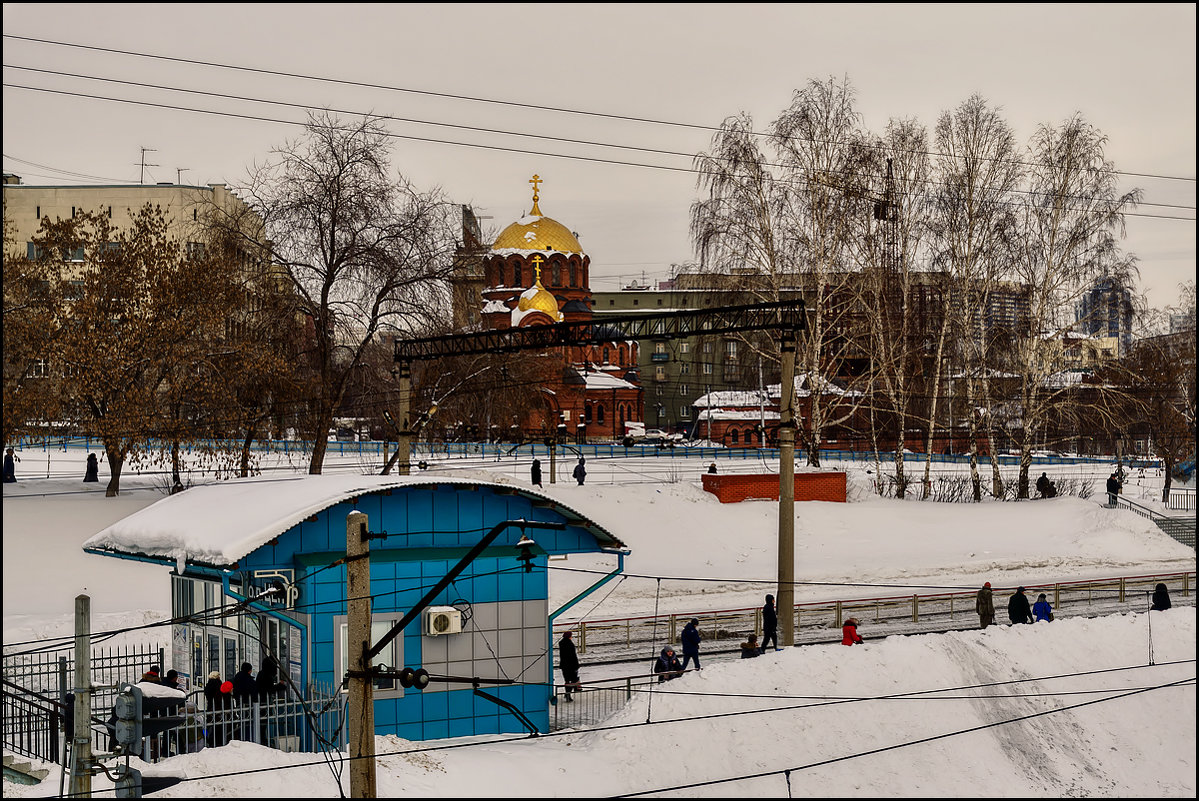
(1106, 310)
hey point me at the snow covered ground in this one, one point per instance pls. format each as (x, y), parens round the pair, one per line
(1084, 713)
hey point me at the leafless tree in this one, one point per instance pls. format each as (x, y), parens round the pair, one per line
(364, 250)
(976, 171)
(1069, 223)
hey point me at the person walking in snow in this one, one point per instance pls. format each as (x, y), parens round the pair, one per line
(667, 665)
(10, 469)
(92, 473)
(580, 472)
(770, 624)
(568, 663)
(1018, 610)
(984, 605)
(535, 473)
(1043, 485)
(690, 639)
(849, 632)
(1041, 610)
(1113, 489)
(1161, 599)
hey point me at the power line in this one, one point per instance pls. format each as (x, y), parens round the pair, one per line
(361, 84)
(614, 162)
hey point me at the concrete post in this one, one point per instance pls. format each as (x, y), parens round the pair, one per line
(360, 706)
(81, 748)
(786, 546)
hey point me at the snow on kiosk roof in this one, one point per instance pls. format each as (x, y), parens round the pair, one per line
(220, 524)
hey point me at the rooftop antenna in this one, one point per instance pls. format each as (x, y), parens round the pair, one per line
(179, 174)
(145, 150)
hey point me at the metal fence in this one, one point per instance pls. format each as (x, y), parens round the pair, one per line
(35, 684)
(1181, 499)
(618, 639)
(594, 701)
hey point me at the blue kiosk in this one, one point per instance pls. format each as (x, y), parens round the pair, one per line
(258, 569)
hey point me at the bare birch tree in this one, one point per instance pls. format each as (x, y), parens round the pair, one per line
(1070, 220)
(977, 170)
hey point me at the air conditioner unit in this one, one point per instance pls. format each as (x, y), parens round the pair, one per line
(442, 620)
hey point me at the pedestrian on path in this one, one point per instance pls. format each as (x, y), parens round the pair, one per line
(535, 473)
(568, 663)
(690, 638)
(984, 605)
(580, 472)
(849, 632)
(1018, 610)
(1041, 610)
(93, 469)
(770, 624)
(1161, 599)
(10, 469)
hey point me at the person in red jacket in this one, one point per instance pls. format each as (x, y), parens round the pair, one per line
(849, 632)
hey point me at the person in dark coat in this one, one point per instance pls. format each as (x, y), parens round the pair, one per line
(10, 469)
(172, 679)
(667, 665)
(580, 472)
(1043, 485)
(690, 638)
(151, 676)
(849, 632)
(1161, 599)
(535, 473)
(712, 468)
(568, 663)
(749, 648)
(1018, 610)
(984, 604)
(770, 624)
(1041, 610)
(1113, 489)
(267, 683)
(217, 705)
(245, 688)
(92, 473)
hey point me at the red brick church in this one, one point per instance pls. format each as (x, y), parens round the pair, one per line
(536, 273)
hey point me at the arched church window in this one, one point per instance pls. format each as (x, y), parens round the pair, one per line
(516, 278)
(733, 437)
(574, 278)
(599, 414)
(556, 274)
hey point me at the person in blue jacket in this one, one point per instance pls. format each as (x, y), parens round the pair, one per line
(690, 638)
(1041, 610)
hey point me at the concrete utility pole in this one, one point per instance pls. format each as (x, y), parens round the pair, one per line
(786, 588)
(81, 747)
(360, 706)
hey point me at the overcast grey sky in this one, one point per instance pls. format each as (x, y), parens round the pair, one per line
(1129, 69)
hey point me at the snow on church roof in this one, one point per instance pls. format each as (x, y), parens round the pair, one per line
(219, 524)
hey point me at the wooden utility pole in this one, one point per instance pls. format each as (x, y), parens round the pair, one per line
(81, 745)
(360, 706)
(786, 588)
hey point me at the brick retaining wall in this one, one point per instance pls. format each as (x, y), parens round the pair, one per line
(733, 488)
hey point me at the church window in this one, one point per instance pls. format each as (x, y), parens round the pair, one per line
(733, 437)
(556, 274)
(599, 414)
(516, 277)
(574, 277)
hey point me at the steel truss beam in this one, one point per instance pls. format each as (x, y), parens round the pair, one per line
(786, 316)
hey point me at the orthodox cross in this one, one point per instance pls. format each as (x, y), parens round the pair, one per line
(535, 181)
(537, 265)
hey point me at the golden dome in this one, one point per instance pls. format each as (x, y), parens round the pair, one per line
(537, 233)
(538, 298)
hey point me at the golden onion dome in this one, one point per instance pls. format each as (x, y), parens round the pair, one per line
(537, 233)
(538, 298)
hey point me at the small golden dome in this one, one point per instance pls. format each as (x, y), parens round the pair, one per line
(537, 233)
(538, 298)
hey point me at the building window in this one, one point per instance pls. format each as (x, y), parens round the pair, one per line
(684, 368)
(39, 368)
(659, 372)
(392, 655)
(707, 368)
(684, 347)
(574, 277)
(730, 350)
(599, 414)
(685, 412)
(684, 390)
(517, 280)
(733, 437)
(707, 347)
(636, 301)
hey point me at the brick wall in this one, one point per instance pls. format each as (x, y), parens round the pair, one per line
(735, 488)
